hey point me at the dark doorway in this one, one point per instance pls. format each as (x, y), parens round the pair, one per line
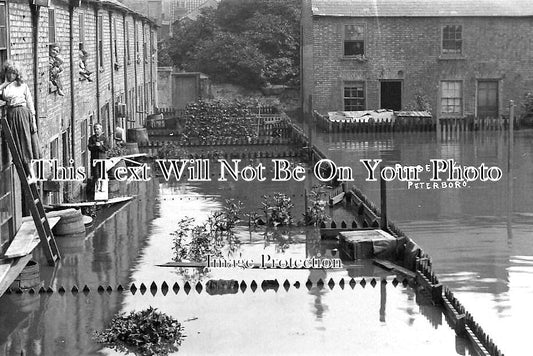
(487, 98)
(391, 95)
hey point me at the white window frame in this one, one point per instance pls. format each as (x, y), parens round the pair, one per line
(353, 83)
(448, 96)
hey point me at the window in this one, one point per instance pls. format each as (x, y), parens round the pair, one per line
(65, 144)
(145, 47)
(128, 42)
(487, 98)
(104, 118)
(131, 108)
(354, 96)
(115, 47)
(54, 154)
(354, 40)
(452, 97)
(146, 96)
(136, 37)
(3, 34)
(51, 26)
(83, 143)
(452, 41)
(101, 41)
(140, 99)
(152, 94)
(6, 205)
(152, 49)
(121, 111)
(81, 28)
(145, 54)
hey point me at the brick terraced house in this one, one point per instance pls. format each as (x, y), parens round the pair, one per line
(464, 57)
(107, 72)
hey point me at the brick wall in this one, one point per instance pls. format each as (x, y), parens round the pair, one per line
(409, 50)
(130, 70)
(118, 62)
(154, 68)
(82, 98)
(307, 46)
(164, 87)
(85, 104)
(139, 65)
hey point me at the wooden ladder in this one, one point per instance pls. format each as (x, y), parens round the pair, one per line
(33, 200)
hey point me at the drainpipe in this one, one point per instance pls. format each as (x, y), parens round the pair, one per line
(97, 62)
(72, 95)
(151, 64)
(112, 68)
(35, 32)
(145, 58)
(126, 89)
(135, 64)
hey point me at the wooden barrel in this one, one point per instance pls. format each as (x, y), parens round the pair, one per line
(71, 223)
(138, 134)
(87, 221)
(29, 277)
(132, 148)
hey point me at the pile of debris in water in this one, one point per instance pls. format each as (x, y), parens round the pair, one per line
(380, 115)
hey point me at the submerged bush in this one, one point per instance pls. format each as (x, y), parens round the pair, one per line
(214, 120)
(147, 332)
(316, 207)
(210, 237)
(277, 209)
(203, 241)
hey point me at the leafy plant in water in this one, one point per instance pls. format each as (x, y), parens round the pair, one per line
(281, 238)
(316, 207)
(203, 241)
(277, 209)
(254, 219)
(210, 237)
(147, 332)
(232, 212)
(216, 119)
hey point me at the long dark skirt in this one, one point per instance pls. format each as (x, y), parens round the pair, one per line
(26, 142)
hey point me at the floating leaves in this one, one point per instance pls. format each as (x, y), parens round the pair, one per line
(147, 332)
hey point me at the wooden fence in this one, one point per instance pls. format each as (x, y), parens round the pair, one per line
(413, 124)
(461, 320)
(170, 118)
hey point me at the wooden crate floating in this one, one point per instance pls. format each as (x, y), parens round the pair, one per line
(359, 244)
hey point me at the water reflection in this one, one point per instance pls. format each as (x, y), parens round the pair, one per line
(479, 237)
(486, 259)
(56, 324)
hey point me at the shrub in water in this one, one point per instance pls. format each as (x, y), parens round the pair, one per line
(316, 207)
(203, 241)
(277, 209)
(147, 332)
(210, 237)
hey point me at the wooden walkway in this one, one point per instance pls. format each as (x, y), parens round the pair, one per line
(19, 252)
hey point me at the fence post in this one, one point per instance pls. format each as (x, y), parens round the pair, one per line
(383, 186)
(511, 137)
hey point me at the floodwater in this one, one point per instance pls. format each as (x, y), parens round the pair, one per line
(480, 237)
(483, 255)
(295, 319)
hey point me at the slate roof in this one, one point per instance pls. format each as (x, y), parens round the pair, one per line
(422, 8)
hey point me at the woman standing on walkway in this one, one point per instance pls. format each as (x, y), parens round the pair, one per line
(20, 115)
